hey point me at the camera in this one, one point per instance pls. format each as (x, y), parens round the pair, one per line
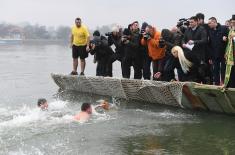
(162, 43)
(124, 39)
(183, 24)
(108, 34)
(146, 36)
(96, 41)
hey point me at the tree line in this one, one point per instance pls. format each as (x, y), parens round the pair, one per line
(36, 31)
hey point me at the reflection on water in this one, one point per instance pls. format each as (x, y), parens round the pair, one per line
(132, 128)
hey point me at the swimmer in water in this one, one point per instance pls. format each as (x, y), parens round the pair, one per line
(86, 111)
(42, 104)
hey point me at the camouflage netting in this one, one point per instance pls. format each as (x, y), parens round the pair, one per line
(149, 91)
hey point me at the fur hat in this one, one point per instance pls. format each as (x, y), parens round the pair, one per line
(233, 17)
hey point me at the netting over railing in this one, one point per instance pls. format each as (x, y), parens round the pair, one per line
(149, 91)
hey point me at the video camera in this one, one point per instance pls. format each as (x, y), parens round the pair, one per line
(183, 24)
(108, 34)
(96, 41)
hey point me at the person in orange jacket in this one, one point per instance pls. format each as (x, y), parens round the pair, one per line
(151, 38)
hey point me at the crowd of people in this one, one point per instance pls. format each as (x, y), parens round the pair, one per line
(191, 51)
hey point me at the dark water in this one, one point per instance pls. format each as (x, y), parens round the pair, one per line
(133, 128)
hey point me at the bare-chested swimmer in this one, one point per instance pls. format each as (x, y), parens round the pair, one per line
(86, 110)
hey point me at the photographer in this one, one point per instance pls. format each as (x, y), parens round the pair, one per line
(146, 61)
(101, 51)
(151, 39)
(131, 44)
(169, 39)
(114, 39)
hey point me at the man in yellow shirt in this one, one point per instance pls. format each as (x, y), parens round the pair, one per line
(79, 42)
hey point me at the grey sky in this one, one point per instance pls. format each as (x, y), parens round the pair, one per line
(161, 13)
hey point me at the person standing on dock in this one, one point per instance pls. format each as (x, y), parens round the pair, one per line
(230, 57)
(217, 42)
(150, 39)
(195, 41)
(79, 42)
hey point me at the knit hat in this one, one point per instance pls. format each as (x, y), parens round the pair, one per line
(115, 29)
(96, 33)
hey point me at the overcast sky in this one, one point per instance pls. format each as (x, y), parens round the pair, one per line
(161, 13)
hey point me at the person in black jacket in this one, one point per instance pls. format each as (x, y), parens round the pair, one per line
(169, 39)
(102, 52)
(146, 60)
(196, 36)
(114, 39)
(131, 44)
(194, 41)
(217, 43)
(208, 64)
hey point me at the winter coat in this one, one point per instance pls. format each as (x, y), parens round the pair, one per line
(216, 44)
(199, 36)
(154, 51)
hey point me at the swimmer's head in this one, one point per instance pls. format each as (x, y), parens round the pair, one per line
(86, 107)
(42, 103)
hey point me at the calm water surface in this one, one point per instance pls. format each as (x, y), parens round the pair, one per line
(132, 129)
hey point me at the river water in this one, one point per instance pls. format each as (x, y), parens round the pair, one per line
(131, 128)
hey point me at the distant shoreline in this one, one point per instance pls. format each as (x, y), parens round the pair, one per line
(44, 41)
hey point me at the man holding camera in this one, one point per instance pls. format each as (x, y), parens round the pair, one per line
(114, 39)
(132, 57)
(151, 39)
(101, 51)
(79, 42)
